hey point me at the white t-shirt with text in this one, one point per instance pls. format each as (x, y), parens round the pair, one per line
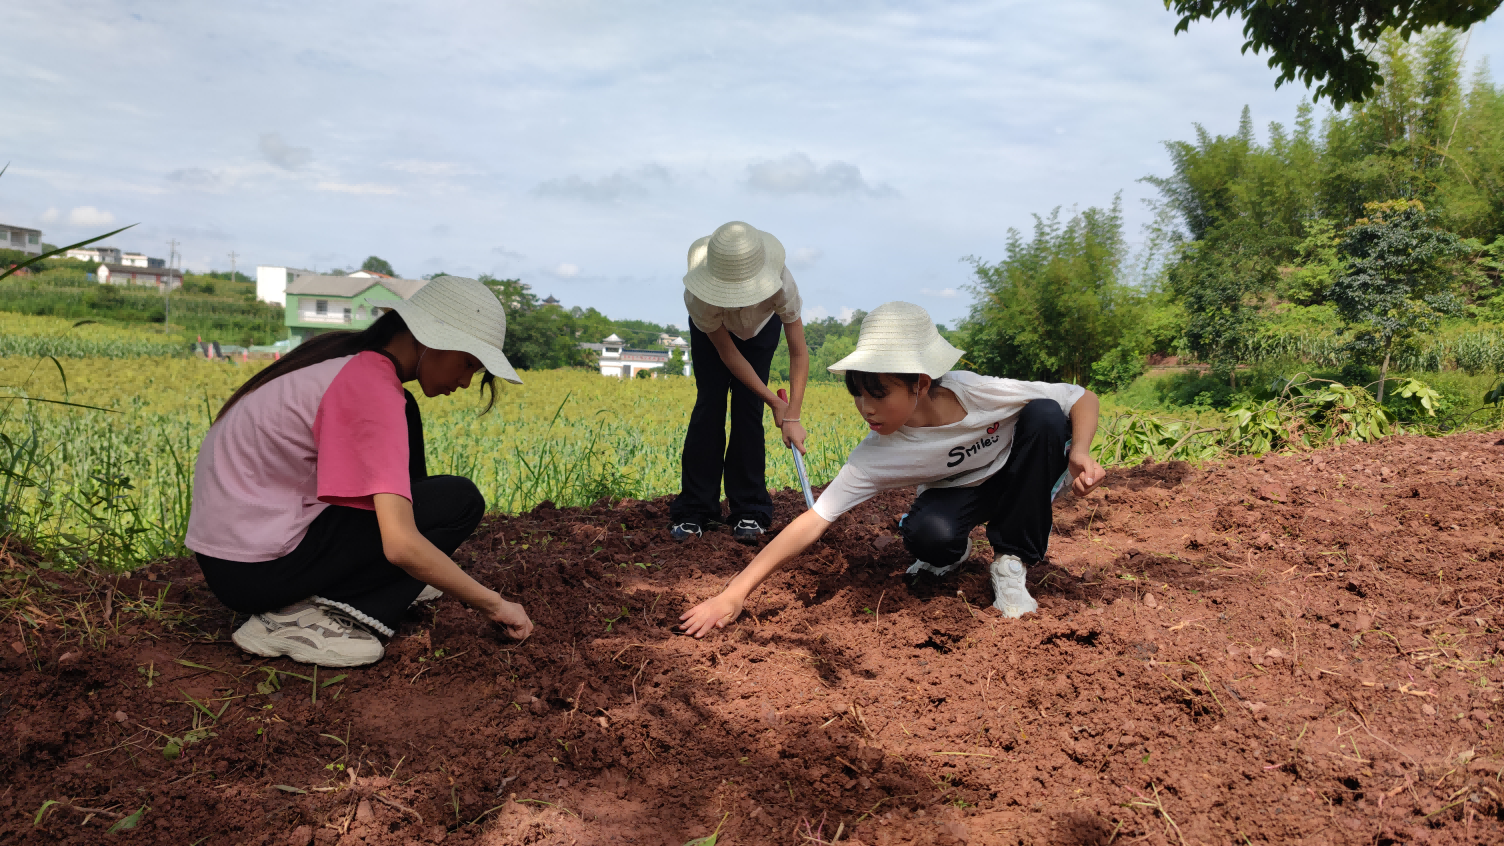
(957, 455)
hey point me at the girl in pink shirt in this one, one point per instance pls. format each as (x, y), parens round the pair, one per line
(313, 510)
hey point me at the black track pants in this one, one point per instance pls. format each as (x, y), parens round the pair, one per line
(1015, 502)
(708, 456)
(341, 558)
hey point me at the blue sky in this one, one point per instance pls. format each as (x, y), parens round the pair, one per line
(582, 146)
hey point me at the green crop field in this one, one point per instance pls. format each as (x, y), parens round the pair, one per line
(107, 476)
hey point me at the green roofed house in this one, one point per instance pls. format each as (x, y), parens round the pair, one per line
(316, 304)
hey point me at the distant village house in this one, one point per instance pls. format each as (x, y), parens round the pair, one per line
(120, 274)
(21, 238)
(624, 363)
(315, 304)
(141, 260)
(98, 255)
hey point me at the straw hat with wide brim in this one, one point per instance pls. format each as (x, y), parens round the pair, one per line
(737, 265)
(455, 313)
(899, 337)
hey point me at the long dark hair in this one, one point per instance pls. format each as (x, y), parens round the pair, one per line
(338, 344)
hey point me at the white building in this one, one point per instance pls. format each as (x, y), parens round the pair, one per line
(21, 238)
(98, 255)
(141, 260)
(272, 282)
(120, 274)
(623, 363)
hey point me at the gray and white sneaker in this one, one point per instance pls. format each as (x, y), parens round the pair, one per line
(309, 634)
(1012, 595)
(928, 569)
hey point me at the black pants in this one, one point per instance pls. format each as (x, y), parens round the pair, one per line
(1015, 502)
(707, 456)
(341, 559)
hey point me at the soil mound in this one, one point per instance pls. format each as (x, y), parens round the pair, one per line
(1285, 649)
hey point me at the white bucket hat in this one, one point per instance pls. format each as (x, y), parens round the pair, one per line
(899, 337)
(455, 313)
(737, 265)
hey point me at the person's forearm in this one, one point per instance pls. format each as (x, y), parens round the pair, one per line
(432, 567)
(1084, 416)
(794, 539)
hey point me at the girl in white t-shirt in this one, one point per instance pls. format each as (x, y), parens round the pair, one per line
(740, 298)
(980, 449)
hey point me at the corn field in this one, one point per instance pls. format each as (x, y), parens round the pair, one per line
(106, 478)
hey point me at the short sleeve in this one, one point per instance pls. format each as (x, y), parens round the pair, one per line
(707, 318)
(360, 433)
(994, 391)
(788, 303)
(850, 488)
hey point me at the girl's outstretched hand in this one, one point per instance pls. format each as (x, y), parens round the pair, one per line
(511, 617)
(716, 612)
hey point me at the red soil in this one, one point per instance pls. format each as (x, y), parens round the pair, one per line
(1287, 649)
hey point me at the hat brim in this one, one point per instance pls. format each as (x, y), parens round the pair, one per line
(934, 361)
(725, 293)
(436, 334)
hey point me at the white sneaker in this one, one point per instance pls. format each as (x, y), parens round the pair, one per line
(1012, 595)
(428, 594)
(930, 569)
(309, 634)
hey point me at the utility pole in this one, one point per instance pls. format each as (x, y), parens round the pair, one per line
(232, 265)
(172, 262)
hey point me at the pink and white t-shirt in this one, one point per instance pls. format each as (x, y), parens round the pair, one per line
(333, 433)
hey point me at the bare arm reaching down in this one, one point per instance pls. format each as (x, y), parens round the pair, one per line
(1084, 468)
(720, 610)
(742, 370)
(406, 547)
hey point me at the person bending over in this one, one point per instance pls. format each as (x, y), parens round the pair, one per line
(981, 449)
(740, 297)
(313, 510)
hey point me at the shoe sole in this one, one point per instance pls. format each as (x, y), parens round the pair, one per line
(300, 654)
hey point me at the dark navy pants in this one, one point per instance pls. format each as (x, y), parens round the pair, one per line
(1015, 502)
(708, 456)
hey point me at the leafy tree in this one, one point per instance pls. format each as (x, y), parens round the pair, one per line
(375, 264)
(1327, 40)
(1403, 270)
(1221, 280)
(1055, 304)
(1222, 177)
(1318, 264)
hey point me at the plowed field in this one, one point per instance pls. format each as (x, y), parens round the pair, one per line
(1287, 649)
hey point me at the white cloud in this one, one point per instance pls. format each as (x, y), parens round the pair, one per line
(90, 216)
(805, 256)
(360, 189)
(816, 313)
(565, 270)
(424, 168)
(797, 173)
(607, 189)
(282, 154)
(197, 178)
(946, 293)
(50, 216)
(847, 312)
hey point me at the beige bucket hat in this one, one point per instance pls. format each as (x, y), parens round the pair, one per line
(900, 337)
(455, 313)
(737, 265)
